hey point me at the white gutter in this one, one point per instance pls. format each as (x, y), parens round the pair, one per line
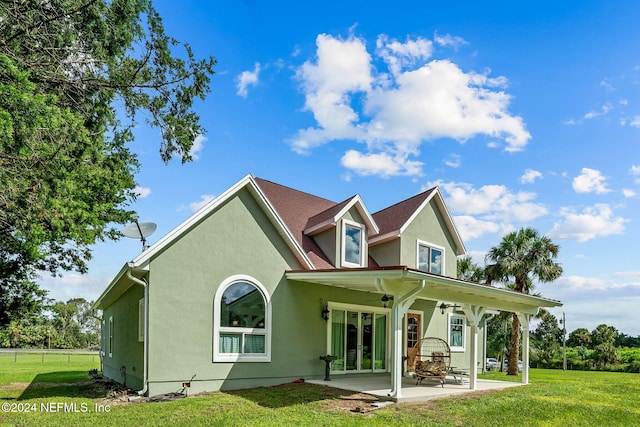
(145, 378)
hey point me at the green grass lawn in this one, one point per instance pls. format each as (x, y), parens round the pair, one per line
(554, 398)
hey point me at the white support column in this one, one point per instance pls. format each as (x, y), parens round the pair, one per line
(474, 316)
(401, 304)
(524, 321)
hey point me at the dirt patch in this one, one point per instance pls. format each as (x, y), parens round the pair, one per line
(14, 386)
(357, 402)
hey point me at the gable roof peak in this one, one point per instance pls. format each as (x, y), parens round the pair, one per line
(394, 219)
(328, 218)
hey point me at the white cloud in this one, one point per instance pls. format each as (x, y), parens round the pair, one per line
(204, 199)
(399, 56)
(417, 100)
(635, 122)
(495, 202)
(590, 181)
(579, 283)
(488, 209)
(605, 83)
(73, 285)
(383, 164)
(453, 160)
(471, 228)
(635, 171)
(198, 145)
(530, 175)
(141, 192)
(449, 40)
(628, 193)
(604, 110)
(246, 79)
(589, 301)
(342, 67)
(592, 222)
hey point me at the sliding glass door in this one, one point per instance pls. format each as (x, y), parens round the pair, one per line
(358, 339)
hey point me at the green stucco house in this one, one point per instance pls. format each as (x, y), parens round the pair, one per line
(254, 287)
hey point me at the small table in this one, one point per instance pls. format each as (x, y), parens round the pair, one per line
(458, 374)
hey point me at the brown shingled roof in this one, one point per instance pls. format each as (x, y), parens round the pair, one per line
(394, 217)
(295, 208)
(327, 214)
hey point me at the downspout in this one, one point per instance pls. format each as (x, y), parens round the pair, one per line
(396, 320)
(145, 378)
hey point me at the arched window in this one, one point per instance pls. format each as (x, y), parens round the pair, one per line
(241, 321)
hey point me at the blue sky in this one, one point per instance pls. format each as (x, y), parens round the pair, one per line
(524, 113)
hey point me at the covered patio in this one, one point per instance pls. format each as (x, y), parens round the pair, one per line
(406, 285)
(378, 385)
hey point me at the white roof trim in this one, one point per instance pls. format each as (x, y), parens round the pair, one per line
(194, 219)
(398, 280)
(372, 227)
(448, 219)
(384, 238)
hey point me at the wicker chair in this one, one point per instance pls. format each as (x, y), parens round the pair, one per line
(431, 359)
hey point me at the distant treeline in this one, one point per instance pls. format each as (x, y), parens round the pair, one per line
(603, 349)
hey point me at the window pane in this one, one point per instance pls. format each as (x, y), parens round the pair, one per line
(337, 340)
(366, 320)
(352, 341)
(381, 341)
(436, 261)
(230, 343)
(412, 332)
(353, 244)
(423, 258)
(242, 306)
(456, 331)
(254, 343)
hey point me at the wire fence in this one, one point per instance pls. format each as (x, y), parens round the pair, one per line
(8, 355)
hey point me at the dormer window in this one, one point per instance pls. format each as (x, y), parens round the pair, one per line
(352, 244)
(430, 258)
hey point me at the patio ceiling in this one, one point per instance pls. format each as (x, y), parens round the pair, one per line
(400, 280)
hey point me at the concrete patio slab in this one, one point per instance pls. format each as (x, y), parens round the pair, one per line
(379, 385)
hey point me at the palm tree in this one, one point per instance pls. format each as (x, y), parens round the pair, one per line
(522, 257)
(469, 270)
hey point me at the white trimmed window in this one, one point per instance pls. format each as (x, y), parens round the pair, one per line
(103, 337)
(241, 321)
(430, 258)
(110, 335)
(456, 334)
(141, 320)
(353, 235)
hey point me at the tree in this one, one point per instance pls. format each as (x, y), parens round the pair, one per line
(603, 340)
(75, 325)
(522, 257)
(74, 77)
(469, 270)
(498, 332)
(624, 340)
(547, 337)
(580, 337)
(21, 299)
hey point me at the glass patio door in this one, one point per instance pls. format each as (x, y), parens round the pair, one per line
(358, 340)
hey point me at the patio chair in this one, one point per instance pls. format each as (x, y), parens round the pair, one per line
(432, 359)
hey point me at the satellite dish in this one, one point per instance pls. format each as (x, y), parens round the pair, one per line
(140, 230)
